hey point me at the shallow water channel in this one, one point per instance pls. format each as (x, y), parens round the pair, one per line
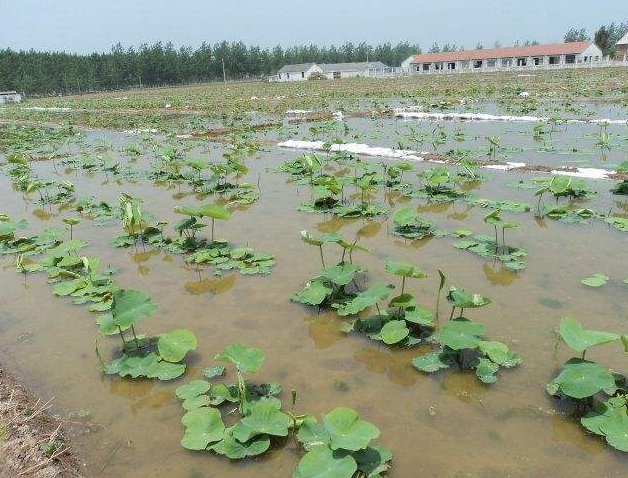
(447, 424)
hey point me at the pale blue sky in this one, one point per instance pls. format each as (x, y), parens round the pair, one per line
(88, 25)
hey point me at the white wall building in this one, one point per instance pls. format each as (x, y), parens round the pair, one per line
(331, 71)
(10, 97)
(518, 57)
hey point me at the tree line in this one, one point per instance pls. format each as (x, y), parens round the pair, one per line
(159, 64)
(606, 37)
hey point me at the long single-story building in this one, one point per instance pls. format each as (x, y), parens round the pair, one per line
(10, 97)
(532, 56)
(331, 71)
(621, 49)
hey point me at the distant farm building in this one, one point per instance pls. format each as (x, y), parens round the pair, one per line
(331, 71)
(558, 55)
(621, 49)
(10, 97)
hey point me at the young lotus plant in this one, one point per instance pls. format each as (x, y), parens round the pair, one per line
(339, 447)
(461, 342)
(600, 394)
(404, 322)
(260, 415)
(151, 357)
(337, 284)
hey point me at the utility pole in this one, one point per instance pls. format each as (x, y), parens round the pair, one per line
(224, 72)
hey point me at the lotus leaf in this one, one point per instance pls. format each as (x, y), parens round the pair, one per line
(486, 370)
(420, 316)
(263, 418)
(347, 430)
(365, 299)
(314, 293)
(460, 334)
(373, 461)
(174, 345)
(312, 434)
(499, 353)
(235, 450)
(149, 366)
(246, 359)
(596, 280)
(341, 274)
(215, 371)
(432, 362)
(321, 462)
(579, 338)
(131, 305)
(581, 379)
(464, 300)
(404, 269)
(394, 332)
(192, 389)
(202, 427)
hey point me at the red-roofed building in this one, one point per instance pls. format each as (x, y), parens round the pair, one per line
(535, 56)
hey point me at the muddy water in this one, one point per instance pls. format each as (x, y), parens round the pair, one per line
(447, 425)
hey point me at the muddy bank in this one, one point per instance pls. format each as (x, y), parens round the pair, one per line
(33, 442)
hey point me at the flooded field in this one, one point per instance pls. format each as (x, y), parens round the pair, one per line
(452, 423)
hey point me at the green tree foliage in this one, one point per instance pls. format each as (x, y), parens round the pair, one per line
(575, 35)
(161, 64)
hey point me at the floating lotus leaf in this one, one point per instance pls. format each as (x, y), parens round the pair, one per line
(347, 430)
(420, 316)
(404, 269)
(131, 305)
(314, 293)
(394, 331)
(233, 449)
(499, 353)
(616, 431)
(215, 371)
(192, 389)
(596, 280)
(460, 334)
(321, 462)
(66, 247)
(433, 361)
(405, 216)
(365, 299)
(373, 461)
(149, 366)
(486, 370)
(464, 300)
(196, 402)
(582, 379)
(312, 434)
(579, 338)
(246, 359)
(341, 274)
(202, 427)
(603, 413)
(263, 418)
(174, 345)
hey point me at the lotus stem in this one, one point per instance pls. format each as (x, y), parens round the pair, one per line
(403, 284)
(213, 221)
(320, 249)
(377, 307)
(451, 316)
(122, 337)
(137, 342)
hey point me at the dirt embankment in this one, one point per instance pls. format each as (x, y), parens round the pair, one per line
(33, 443)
